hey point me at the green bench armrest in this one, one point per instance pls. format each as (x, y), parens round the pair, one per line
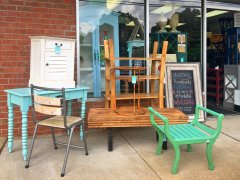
(219, 117)
(161, 117)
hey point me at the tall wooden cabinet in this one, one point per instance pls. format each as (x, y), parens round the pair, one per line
(96, 24)
(52, 62)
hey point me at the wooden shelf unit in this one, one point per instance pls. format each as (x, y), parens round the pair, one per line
(215, 84)
(111, 76)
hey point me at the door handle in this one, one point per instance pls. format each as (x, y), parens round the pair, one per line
(94, 59)
(47, 64)
(98, 58)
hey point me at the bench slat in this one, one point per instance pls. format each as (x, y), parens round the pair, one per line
(198, 132)
(187, 131)
(183, 132)
(205, 128)
(179, 133)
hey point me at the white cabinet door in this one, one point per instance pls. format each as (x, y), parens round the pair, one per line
(57, 66)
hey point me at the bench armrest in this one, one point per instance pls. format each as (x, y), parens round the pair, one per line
(219, 117)
(161, 117)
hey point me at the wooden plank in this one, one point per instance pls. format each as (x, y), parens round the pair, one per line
(129, 78)
(112, 76)
(104, 117)
(162, 74)
(136, 58)
(126, 96)
(153, 68)
(129, 68)
(48, 110)
(107, 71)
(47, 100)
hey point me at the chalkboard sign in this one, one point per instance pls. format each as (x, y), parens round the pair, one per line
(183, 87)
(183, 91)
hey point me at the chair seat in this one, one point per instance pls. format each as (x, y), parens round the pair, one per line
(58, 122)
(184, 132)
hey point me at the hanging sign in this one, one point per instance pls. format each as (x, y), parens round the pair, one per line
(134, 79)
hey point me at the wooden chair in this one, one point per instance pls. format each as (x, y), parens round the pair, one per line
(54, 106)
(110, 85)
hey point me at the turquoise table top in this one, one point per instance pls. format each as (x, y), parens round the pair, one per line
(27, 91)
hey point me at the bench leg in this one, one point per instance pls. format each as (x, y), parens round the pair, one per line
(209, 155)
(189, 147)
(160, 142)
(164, 144)
(176, 159)
(110, 139)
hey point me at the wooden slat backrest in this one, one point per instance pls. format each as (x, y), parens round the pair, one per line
(112, 74)
(47, 105)
(162, 74)
(153, 70)
(47, 100)
(49, 110)
(107, 70)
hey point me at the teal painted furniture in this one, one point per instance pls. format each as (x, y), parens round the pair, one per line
(192, 133)
(135, 43)
(130, 46)
(21, 97)
(97, 23)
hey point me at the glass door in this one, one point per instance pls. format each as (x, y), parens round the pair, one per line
(86, 55)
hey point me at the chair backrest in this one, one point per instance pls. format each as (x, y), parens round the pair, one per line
(162, 74)
(110, 84)
(162, 71)
(110, 75)
(48, 105)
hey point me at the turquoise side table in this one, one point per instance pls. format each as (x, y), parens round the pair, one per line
(22, 98)
(135, 43)
(130, 45)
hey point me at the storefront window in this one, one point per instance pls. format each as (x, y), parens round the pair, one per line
(178, 24)
(99, 20)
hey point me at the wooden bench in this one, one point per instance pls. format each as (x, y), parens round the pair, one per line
(109, 118)
(191, 133)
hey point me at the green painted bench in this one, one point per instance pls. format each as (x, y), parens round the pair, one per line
(191, 133)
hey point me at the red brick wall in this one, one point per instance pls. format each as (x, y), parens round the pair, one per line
(20, 19)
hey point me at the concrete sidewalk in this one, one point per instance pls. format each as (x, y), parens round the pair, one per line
(133, 157)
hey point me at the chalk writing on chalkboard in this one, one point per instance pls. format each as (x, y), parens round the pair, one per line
(183, 90)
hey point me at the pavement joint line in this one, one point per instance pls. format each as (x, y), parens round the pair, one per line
(224, 134)
(3, 144)
(139, 155)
